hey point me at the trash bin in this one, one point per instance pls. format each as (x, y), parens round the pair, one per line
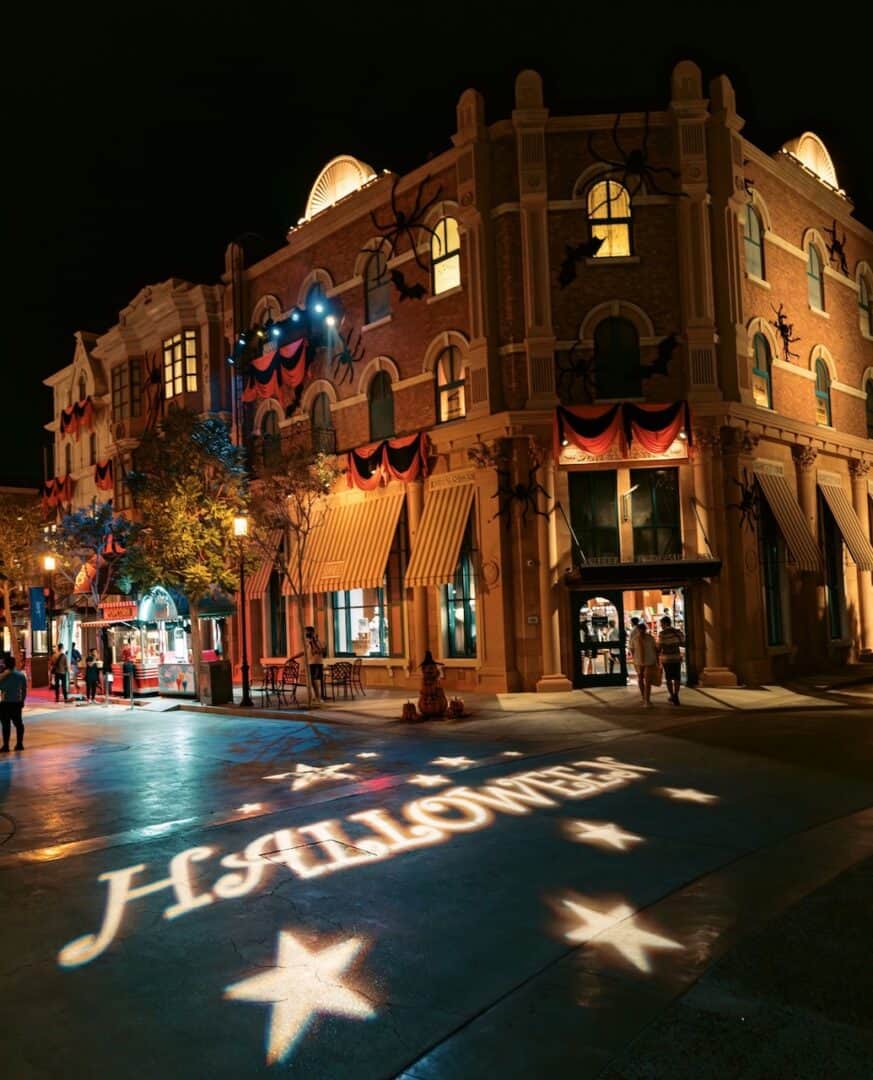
(216, 687)
(127, 670)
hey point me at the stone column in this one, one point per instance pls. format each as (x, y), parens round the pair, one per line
(812, 624)
(414, 505)
(715, 672)
(859, 470)
(552, 678)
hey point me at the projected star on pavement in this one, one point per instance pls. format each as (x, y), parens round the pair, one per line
(301, 984)
(628, 939)
(307, 775)
(511, 753)
(368, 754)
(426, 780)
(248, 808)
(687, 794)
(602, 834)
(450, 762)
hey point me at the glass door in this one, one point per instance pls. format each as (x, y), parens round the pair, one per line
(599, 648)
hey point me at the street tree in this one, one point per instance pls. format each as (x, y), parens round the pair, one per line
(94, 548)
(188, 482)
(21, 534)
(292, 503)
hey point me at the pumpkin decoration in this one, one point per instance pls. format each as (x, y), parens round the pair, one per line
(410, 713)
(456, 709)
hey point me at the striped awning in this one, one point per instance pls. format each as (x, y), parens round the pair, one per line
(847, 522)
(792, 524)
(256, 585)
(349, 549)
(440, 533)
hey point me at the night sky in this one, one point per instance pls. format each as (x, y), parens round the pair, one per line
(138, 148)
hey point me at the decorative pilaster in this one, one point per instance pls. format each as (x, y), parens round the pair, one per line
(812, 624)
(858, 470)
(552, 678)
(414, 501)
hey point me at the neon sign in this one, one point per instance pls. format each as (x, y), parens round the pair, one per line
(365, 837)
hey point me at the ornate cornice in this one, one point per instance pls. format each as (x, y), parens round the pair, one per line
(804, 456)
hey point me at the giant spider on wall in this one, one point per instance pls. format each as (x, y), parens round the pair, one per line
(786, 330)
(409, 224)
(575, 367)
(351, 353)
(633, 171)
(524, 495)
(749, 505)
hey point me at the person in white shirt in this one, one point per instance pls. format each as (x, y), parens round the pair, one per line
(645, 654)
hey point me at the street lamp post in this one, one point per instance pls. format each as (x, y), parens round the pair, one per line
(241, 531)
(49, 564)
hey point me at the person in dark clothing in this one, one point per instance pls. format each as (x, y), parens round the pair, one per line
(92, 675)
(13, 686)
(61, 673)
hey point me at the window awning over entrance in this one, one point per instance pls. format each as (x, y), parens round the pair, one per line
(95, 624)
(792, 524)
(642, 575)
(438, 541)
(847, 522)
(350, 550)
(256, 585)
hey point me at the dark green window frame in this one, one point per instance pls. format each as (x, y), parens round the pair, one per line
(460, 594)
(655, 513)
(594, 513)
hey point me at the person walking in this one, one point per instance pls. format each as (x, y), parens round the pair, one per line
(92, 675)
(670, 643)
(316, 659)
(13, 686)
(645, 654)
(75, 661)
(61, 674)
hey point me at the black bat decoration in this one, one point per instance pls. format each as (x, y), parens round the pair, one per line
(407, 292)
(661, 364)
(575, 253)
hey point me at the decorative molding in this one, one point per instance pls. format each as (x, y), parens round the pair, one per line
(768, 466)
(844, 388)
(804, 373)
(858, 469)
(804, 456)
(451, 479)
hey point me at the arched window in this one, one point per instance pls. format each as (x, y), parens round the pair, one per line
(754, 244)
(68, 459)
(321, 425)
(377, 287)
(822, 393)
(381, 401)
(762, 364)
(865, 305)
(270, 438)
(868, 388)
(92, 448)
(609, 217)
(617, 359)
(815, 279)
(82, 388)
(451, 401)
(445, 255)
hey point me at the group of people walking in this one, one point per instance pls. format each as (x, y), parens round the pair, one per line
(63, 666)
(651, 656)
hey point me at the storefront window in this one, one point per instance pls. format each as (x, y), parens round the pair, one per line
(369, 622)
(655, 513)
(594, 513)
(772, 563)
(276, 613)
(832, 543)
(459, 598)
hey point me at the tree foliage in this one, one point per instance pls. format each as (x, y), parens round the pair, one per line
(21, 544)
(95, 548)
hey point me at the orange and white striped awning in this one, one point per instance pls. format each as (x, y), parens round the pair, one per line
(848, 523)
(256, 585)
(349, 546)
(789, 517)
(440, 533)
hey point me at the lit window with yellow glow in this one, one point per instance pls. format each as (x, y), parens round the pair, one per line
(445, 255)
(180, 364)
(450, 385)
(762, 365)
(609, 217)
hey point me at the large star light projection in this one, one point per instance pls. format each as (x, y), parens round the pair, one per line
(687, 795)
(617, 929)
(605, 834)
(305, 776)
(302, 984)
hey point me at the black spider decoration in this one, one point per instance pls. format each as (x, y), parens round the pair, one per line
(523, 494)
(575, 367)
(837, 249)
(407, 292)
(749, 505)
(575, 253)
(748, 185)
(661, 364)
(785, 329)
(351, 353)
(633, 170)
(408, 224)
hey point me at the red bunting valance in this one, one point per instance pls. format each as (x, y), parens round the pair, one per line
(103, 478)
(594, 428)
(278, 374)
(57, 492)
(403, 458)
(78, 417)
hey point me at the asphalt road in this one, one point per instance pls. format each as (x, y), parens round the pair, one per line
(203, 896)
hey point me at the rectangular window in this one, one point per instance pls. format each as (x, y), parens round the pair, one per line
(832, 543)
(180, 364)
(772, 564)
(278, 628)
(126, 390)
(369, 622)
(459, 598)
(123, 499)
(655, 513)
(594, 514)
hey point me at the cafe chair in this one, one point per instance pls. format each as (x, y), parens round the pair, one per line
(339, 674)
(357, 676)
(290, 680)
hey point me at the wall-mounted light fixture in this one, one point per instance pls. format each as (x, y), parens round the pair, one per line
(625, 503)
